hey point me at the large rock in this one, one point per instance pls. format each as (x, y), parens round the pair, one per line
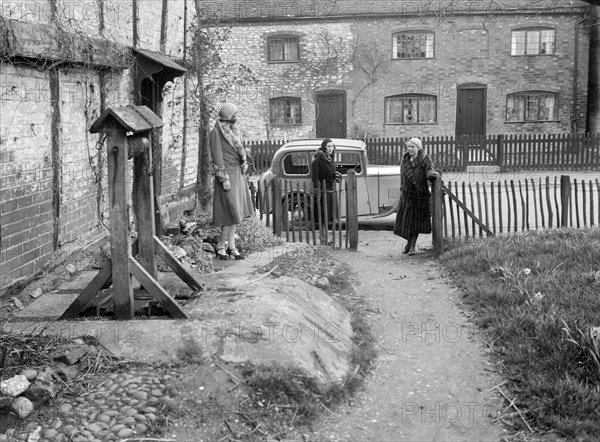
(281, 321)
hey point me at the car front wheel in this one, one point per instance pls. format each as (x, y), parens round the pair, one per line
(299, 210)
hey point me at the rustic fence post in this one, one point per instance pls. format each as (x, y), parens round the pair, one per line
(352, 210)
(437, 217)
(565, 199)
(277, 207)
(500, 153)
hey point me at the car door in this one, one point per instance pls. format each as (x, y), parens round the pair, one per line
(346, 160)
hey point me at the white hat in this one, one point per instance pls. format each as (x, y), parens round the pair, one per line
(416, 141)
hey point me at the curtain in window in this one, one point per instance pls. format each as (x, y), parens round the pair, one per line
(286, 111)
(427, 110)
(533, 42)
(408, 110)
(393, 111)
(290, 48)
(515, 107)
(532, 107)
(547, 107)
(275, 49)
(547, 37)
(429, 45)
(518, 43)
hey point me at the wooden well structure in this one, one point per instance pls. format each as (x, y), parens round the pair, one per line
(128, 132)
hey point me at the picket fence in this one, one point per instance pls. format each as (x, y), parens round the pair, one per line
(510, 152)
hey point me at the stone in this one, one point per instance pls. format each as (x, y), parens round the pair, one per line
(22, 407)
(30, 374)
(14, 386)
(322, 283)
(36, 293)
(71, 269)
(67, 373)
(125, 433)
(178, 252)
(40, 393)
(140, 395)
(49, 433)
(18, 305)
(71, 355)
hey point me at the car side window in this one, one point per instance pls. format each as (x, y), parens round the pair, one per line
(345, 161)
(296, 163)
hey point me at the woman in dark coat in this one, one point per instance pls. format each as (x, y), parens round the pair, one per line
(413, 215)
(232, 201)
(323, 170)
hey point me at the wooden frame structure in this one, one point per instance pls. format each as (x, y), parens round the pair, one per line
(117, 124)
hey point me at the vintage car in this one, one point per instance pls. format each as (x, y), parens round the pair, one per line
(378, 187)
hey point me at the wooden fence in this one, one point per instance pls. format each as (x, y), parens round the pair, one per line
(315, 216)
(488, 209)
(509, 152)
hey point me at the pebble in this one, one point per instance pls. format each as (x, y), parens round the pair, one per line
(122, 405)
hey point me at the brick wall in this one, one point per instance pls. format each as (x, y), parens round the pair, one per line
(315, 71)
(471, 49)
(55, 199)
(26, 215)
(79, 108)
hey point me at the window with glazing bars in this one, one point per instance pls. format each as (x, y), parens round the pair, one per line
(532, 106)
(411, 109)
(285, 110)
(412, 44)
(533, 42)
(283, 48)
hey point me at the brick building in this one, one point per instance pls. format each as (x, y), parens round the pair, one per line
(62, 63)
(389, 68)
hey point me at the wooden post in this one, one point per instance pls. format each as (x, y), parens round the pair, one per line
(143, 202)
(565, 199)
(437, 218)
(277, 207)
(500, 153)
(352, 210)
(120, 245)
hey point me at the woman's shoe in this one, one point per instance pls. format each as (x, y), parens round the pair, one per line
(406, 249)
(235, 253)
(222, 253)
(411, 251)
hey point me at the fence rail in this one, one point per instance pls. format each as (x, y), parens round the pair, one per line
(564, 151)
(488, 209)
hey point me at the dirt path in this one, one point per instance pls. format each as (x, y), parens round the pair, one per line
(432, 381)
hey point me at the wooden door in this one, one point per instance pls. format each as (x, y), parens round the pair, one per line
(470, 109)
(331, 114)
(470, 124)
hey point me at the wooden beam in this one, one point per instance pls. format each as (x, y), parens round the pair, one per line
(92, 289)
(156, 290)
(460, 204)
(120, 236)
(143, 203)
(176, 266)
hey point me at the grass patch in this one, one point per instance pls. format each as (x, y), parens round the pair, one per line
(537, 298)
